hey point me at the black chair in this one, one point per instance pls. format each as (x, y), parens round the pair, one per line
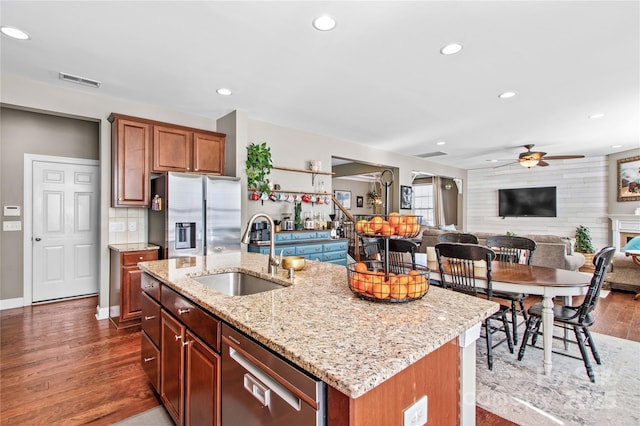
(402, 255)
(371, 248)
(579, 318)
(513, 250)
(457, 237)
(461, 276)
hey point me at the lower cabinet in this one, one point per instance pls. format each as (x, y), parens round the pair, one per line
(180, 354)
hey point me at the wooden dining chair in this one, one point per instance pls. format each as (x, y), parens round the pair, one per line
(402, 256)
(579, 318)
(458, 272)
(513, 249)
(457, 237)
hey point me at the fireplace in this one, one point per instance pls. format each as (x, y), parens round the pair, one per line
(623, 228)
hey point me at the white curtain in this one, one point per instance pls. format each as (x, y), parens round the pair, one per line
(438, 202)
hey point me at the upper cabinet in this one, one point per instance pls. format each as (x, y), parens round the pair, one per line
(180, 150)
(141, 147)
(130, 150)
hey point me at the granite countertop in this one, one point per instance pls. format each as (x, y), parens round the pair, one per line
(133, 247)
(318, 324)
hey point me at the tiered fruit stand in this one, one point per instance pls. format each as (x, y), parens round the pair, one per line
(381, 280)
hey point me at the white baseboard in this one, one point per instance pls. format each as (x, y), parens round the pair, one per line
(18, 302)
(102, 313)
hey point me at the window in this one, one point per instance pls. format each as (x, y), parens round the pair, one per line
(423, 203)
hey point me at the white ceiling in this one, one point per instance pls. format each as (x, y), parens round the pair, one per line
(378, 79)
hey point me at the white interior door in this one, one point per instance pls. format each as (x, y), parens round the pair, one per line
(65, 230)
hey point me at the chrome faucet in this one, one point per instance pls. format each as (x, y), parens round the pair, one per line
(274, 262)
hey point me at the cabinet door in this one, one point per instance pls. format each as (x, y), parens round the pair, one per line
(208, 153)
(131, 293)
(171, 366)
(202, 383)
(150, 357)
(131, 144)
(171, 149)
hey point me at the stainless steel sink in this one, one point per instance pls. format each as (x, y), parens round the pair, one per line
(237, 283)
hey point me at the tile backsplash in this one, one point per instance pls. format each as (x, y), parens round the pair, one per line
(127, 225)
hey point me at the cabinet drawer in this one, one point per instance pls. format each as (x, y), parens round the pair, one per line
(150, 359)
(309, 249)
(337, 246)
(333, 255)
(286, 250)
(303, 235)
(194, 317)
(282, 236)
(151, 286)
(323, 235)
(151, 318)
(132, 258)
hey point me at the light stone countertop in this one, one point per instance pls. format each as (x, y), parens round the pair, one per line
(318, 324)
(133, 247)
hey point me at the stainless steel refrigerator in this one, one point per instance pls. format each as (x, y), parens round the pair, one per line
(194, 214)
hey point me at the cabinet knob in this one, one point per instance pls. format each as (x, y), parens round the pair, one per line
(183, 311)
(149, 359)
(141, 257)
(187, 343)
(149, 317)
(177, 337)
(196, 170)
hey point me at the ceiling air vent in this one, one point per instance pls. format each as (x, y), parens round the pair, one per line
(79, 80)
(431, 154)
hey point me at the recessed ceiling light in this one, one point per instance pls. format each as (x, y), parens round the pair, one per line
(451, 49)
(14, 33)
(440, 143)
(506, 95)
(223, 91)
(493, 161)
(324, 23)
(616, 146)
(594, 116)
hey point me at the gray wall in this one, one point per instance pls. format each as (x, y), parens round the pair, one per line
(25, 132)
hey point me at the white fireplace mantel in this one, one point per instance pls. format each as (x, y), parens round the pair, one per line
(623, 225)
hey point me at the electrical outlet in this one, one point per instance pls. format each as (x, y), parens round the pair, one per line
(133, 226)
(416, 413)
(116, 226)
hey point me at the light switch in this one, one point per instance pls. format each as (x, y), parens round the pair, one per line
(12, 210)
(116, 226)
(12, 225)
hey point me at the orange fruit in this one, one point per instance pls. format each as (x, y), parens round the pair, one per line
(413, 290)
(398, 291)
(415, 228)
(381, 290)
(386, 229)
(411, 218)
(376, 223)
(361, 267)
(402, 229)
(394, 218)
(360, 225)
(404, 279)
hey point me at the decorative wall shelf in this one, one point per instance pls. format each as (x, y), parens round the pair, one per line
(312, 172)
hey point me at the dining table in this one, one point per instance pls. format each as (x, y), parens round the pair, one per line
(532, 280)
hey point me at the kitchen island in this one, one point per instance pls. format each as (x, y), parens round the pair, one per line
(376, 358)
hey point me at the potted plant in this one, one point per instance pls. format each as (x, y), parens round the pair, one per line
(584, 245)
(258, 167)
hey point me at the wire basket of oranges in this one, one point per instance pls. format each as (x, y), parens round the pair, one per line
(393, 224)
(400, 282)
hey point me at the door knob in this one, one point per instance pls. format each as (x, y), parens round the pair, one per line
(38, 239)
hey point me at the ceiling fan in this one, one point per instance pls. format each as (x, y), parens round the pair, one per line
(531, 159)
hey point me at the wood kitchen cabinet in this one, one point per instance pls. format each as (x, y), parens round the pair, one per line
(181, 150)
(125, 293)
(189, 368)
(130, 151)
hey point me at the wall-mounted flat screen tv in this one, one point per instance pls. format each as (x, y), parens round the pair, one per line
(532, 202)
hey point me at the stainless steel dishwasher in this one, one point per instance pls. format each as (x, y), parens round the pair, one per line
(260, 388)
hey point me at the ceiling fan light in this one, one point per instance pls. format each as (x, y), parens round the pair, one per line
(529, 162)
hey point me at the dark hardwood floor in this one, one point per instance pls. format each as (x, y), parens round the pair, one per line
(58, 365)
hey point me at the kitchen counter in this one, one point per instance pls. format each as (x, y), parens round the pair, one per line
(317, 323)
(121, 248)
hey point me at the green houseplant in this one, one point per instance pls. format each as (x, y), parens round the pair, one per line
(258, 167)
(583, 240)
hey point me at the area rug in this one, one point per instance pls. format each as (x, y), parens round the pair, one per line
(519, 391)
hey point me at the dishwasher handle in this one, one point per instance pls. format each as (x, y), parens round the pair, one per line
(264, 383)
